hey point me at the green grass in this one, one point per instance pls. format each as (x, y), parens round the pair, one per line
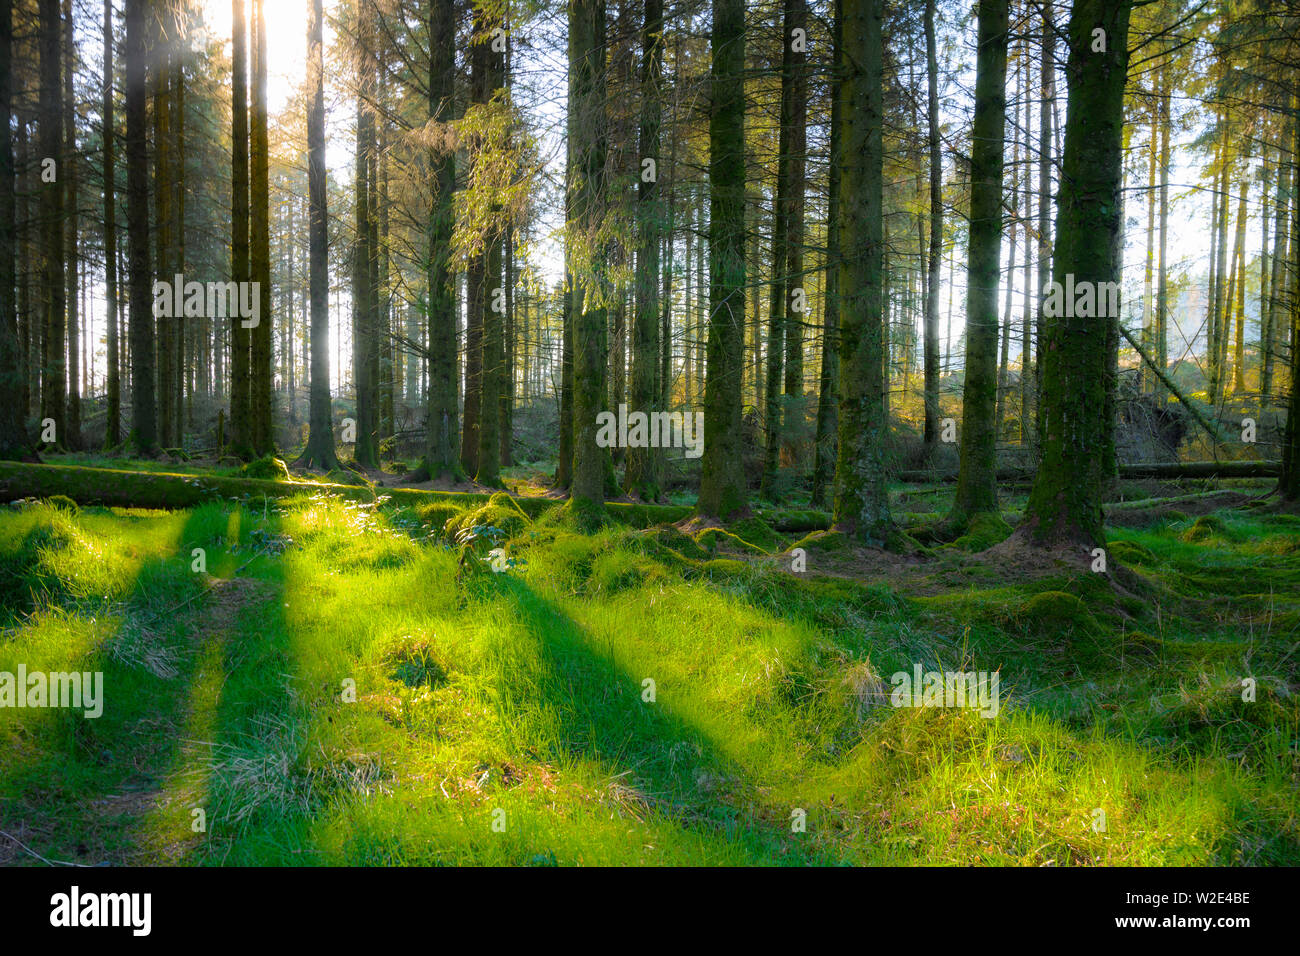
(350, 686)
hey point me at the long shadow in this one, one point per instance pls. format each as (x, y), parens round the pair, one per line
(84, 791)
(681, 771)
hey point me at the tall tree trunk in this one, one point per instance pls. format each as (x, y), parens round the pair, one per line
(72, 439)
(861, 497)
(112, 428)
(1162, 278)
(931, 387)
(489, 438)
(722, 483)
(440, 455)
(259, 245)
(1277, 280)
(54, 378)
(144, 421)
(1289, 483)
(641, 477)
(1046, 117)
(319, 452)
(977, 477)
(829, 379)
(13, 438)
(241, 397)
(777, 316)
(366, 449)
(795, 118)
(1065, 502)
(587, 91)
(1236, 305)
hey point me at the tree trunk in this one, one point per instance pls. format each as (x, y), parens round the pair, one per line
(931, 388)
(319, 452)
(144, 421)
(440, 456)
(722, 483)
(641, 477)
(861, 497)
(1065, 503)
(13, 439)
(260, 246)
(587, 92)
(241, 407)
(977, 485)
(50, 147)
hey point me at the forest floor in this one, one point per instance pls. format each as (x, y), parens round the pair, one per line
(345, 683)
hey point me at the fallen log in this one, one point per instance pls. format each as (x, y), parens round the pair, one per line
(1145, 469)
(118, 488)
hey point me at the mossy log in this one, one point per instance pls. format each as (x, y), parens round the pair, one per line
(151, 489)
(1142, 469)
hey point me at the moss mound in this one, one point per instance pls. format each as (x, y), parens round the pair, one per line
(63, 503)
(714, 539)
(1206, 526)
(269, 468)
(983, 532)
(438, 516)
(500, 511)
(822, 541)
(667, 536)
(757, 532)
(1055, 612)
(1130, 552)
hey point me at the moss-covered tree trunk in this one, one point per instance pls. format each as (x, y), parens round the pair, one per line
(493, 322)
(641, 476)
(241, 405)
(440, 455)
(13, 440)
(113, 384)
(1289, 485)
(977, 489)
(1065, 503)
(722, 483)
(53, 293)
(587, 54)
(259, 245)
(144, 420)
(68, 172)
(931, 388)
(861, 498)
(319, 452)
(828, 383)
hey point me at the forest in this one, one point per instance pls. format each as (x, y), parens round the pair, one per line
(649, 432)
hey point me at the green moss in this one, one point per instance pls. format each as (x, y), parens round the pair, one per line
(345, 476)
(668, 536)
(63, 503)
(439, 516)
(983, 532)
(500, 511)
(268, 468)
(1055, 612)
(1206, 526)
(757, 532)
(726, 568)
(1130, 552)
(713, 539)
(822, 541)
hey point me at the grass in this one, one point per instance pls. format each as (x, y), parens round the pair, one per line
(348, 684)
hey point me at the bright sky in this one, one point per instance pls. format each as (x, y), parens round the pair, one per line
(286, 30)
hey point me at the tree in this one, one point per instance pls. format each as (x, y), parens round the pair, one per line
(492, 375)
(319, 452)
(641, 476)
(440, 458)
(1065, 502)
(54, 377)
(144, 421)
(931, 427)
(241, 396)
(587, 93)
(722, 483)
(861, 498)
(112, 429)
(260, 247)
(977, 490)
(72, 422)
(13, 438)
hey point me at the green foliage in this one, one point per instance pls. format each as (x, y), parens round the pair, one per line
(269, 468)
